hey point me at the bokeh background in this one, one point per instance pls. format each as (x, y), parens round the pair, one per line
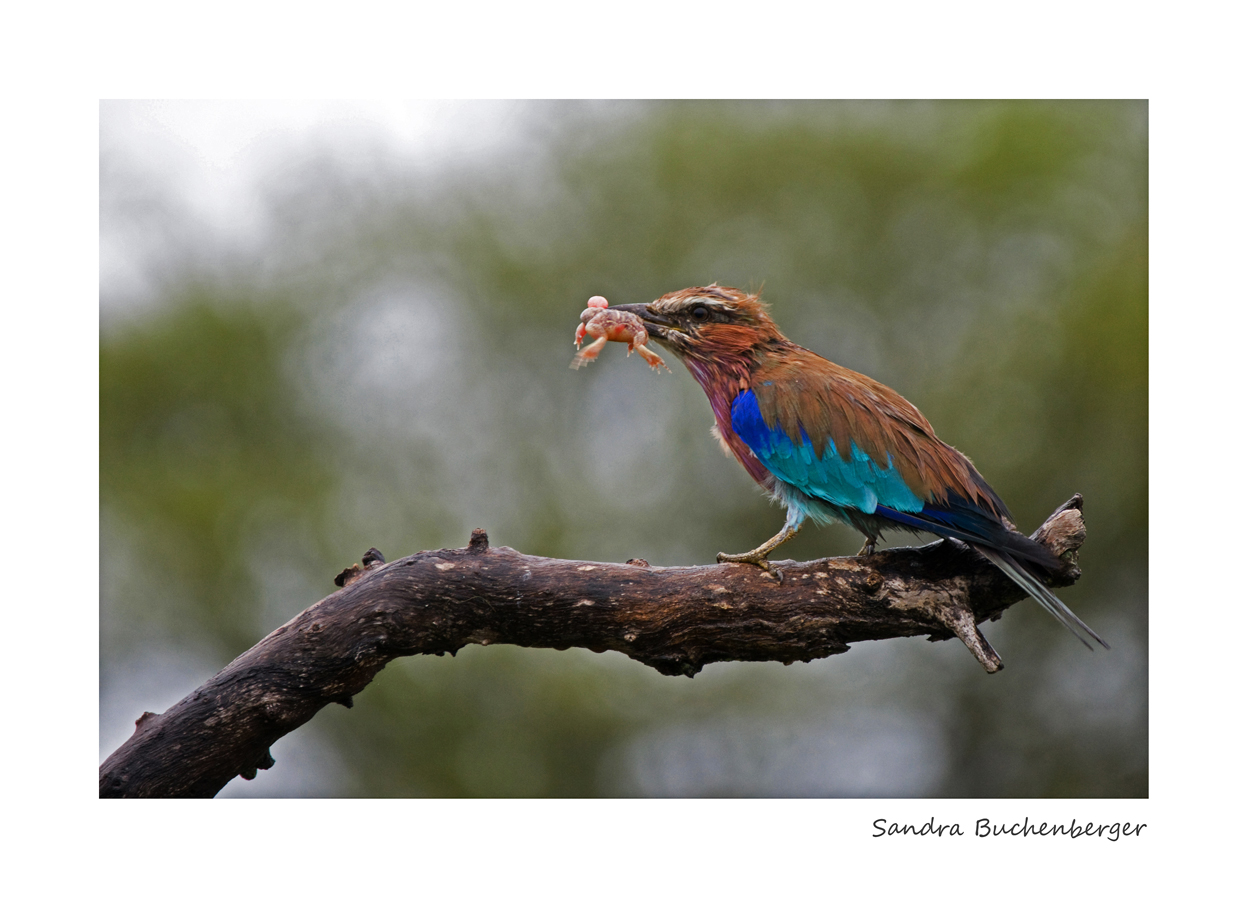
(326, 327)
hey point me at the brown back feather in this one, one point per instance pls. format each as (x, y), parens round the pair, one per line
(804, 392)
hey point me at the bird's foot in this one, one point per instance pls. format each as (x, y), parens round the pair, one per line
(745, 558)
(868, 548)
(754, 558)
(758, 557)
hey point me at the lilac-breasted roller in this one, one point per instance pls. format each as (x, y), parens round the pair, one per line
(834, 445)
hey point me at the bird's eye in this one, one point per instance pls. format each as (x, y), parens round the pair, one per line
(699, 313)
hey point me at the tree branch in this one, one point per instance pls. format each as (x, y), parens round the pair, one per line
(676, 620)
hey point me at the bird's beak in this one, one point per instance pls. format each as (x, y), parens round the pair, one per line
(657, 326)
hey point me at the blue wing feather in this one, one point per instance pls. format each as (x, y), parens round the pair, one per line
(857, 483)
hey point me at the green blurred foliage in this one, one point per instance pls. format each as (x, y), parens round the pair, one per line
(389, 367)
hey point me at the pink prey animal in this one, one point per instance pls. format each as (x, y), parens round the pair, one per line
(611, 325)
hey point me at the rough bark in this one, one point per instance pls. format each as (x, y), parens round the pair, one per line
(676, 620)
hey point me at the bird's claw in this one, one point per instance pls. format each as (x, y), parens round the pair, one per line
(749, 558)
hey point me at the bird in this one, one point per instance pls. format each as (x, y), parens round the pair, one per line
(833, 445)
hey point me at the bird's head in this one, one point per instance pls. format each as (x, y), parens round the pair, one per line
(706, 326)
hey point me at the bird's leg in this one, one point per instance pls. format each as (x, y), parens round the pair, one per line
(868, 548)
(759, 556)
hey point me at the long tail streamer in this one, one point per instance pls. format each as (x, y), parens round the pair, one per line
(1040, 593)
